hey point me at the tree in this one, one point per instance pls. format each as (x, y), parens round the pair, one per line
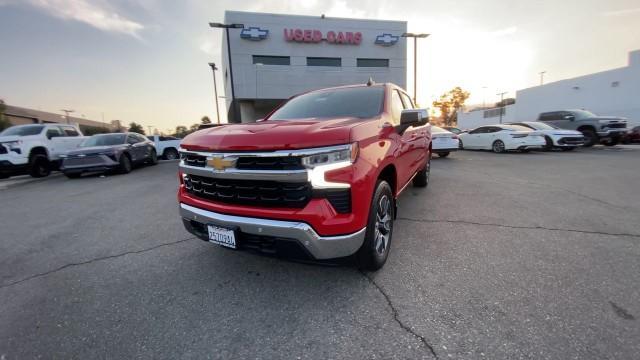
(194, 128)
(181, 131)
(449, 104)
(205, 120)
(4, 123)
(136, 128)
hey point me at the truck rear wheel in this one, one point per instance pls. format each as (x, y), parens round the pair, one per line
(170, 154)
(374, 251)
(39, 166)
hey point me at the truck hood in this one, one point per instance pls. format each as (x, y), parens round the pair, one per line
(612, 118)
(274, 135)
(11, 138)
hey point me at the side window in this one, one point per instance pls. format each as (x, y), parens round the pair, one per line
(480, 130)
(396, 107)
(54, 131)
(408, 104)
(70, 131)
(131, 139)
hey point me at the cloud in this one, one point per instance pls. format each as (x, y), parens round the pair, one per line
(623, 12)
(89, 12)
(504, 32)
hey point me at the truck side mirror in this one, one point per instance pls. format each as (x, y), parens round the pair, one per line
(414, 117)
(569, 117)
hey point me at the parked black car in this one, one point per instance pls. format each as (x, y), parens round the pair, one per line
(109, 152)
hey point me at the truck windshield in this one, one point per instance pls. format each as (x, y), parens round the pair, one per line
(23, 130)
(359, 102)
(583, 114)
(104, 140)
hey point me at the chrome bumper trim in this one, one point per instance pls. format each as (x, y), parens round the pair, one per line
(236, 174)
(320, 247)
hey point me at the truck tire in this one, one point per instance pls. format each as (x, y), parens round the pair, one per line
(39, 166)
(170, 154)
(125, 164)
(374, 251)
(611, 142)
(590, 137)
(422, 177)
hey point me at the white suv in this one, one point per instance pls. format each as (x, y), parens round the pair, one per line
(35, 149)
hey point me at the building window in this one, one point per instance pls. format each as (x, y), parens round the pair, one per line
(494, 112)
(373, 62)
(271, 60)
(324, 61)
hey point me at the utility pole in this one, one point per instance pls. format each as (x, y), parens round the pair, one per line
(215, 90)
(226, 27)
(501, 104)
(484, 97)
(542, 77)
(67, 112)
(415, 62)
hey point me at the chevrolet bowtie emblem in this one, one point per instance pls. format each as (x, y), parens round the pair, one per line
(220, 163)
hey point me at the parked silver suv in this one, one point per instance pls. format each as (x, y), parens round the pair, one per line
(606, 129)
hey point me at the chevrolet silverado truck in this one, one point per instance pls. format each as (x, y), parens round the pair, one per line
(608, 130)
(317, 179)
(166, 146)
(36, 149)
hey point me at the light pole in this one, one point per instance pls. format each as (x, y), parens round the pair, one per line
(67, 112)
(226, 27)
(501, 104)
(415, 62)
(542, 77)
(215, 90)
(484, 97)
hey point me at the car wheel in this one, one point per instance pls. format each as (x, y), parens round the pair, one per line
(39, 166)
(374, 251)
(170, 154)
(443, 154)
(498, 146)
(124, 166)
(73, 175)
(153, 158)
(549, 143)
(590, 137)
(422, 177)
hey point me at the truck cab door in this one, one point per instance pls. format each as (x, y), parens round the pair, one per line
(56, 142)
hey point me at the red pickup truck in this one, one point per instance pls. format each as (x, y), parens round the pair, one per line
(318, 178)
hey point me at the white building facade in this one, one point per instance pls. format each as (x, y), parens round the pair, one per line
(613, 92)
(277, 56)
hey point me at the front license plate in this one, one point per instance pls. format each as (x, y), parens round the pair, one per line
(222, 236)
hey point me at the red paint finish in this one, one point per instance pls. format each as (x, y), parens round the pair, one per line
(381, 146)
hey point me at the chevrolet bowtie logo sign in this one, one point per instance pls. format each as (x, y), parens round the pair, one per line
(220, 163)
(254, 33)
(386, 39)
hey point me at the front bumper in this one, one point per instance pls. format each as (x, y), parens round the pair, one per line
(318, 247)
(8, 168)
(612, 133)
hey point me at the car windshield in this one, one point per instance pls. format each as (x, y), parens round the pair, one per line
(359, 102)
(23, 130)
(583, 114)
(541, 126)
(104, 140)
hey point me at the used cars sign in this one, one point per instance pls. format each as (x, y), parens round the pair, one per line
(316, 36)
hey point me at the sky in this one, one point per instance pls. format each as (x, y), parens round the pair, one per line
(146, 60)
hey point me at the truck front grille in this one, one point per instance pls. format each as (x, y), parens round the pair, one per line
(269, 163)
(194, 160)
(3, 150)
(617, 126)
(249, 192)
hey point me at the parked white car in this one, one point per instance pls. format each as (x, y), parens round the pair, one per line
(35, 149)
(166, 146)
(554, 136)
(443, 141)
(501, 138)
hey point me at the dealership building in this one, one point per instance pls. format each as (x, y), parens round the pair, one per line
(276, 56)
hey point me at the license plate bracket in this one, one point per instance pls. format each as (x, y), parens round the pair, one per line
(222, 236)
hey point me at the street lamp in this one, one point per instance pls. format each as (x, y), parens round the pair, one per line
(415, 62)
(67, 112)
(226, 28)
(542, 77)
(215, 89)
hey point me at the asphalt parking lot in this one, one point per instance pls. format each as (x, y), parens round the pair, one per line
(503, 256)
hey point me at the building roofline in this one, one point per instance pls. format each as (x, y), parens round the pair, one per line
(313, 16)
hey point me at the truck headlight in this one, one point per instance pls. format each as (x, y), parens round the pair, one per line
(13, 145)
(327, 159)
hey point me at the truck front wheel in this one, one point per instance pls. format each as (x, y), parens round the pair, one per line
(39, 166)
(374, 251)
(590, 137)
